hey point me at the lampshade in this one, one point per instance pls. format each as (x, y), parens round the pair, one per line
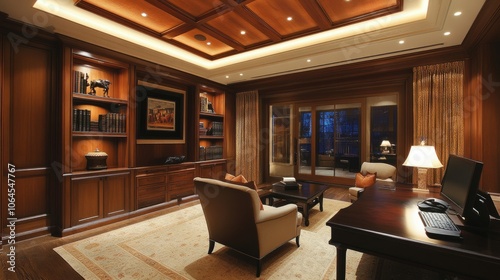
(385, 143)
(423, 156)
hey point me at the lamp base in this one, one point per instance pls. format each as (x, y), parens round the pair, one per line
(422, 178)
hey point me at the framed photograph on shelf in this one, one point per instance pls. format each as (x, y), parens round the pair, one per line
(160, 114)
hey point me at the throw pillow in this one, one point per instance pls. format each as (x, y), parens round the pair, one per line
(363, 181)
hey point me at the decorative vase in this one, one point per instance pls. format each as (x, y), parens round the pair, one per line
(96, 160)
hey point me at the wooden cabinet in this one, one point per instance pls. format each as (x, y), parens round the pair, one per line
(95, 117)
(156, 185)
(97, 197)
(215, 169)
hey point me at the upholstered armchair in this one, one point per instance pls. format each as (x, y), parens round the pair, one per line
(382, 171)
(235, 219)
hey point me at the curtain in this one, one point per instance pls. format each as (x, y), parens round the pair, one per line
(247, 136)
(438, 111)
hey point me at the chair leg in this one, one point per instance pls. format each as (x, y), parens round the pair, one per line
(259, 267)
(297, 239)
(211, 246)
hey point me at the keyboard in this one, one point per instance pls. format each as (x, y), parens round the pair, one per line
(439, 225)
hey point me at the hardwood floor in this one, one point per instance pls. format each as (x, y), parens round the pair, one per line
(36, 259)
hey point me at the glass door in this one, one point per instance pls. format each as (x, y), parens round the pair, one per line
(304, 147)
(281, 161)
(338, 142)
(329, 141)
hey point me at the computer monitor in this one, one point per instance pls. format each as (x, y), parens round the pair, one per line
(460, 185)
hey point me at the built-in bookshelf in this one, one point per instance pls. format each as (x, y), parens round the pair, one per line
(211, 124)
(99, 109)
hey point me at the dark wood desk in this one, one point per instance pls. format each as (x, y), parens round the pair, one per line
(386, 223)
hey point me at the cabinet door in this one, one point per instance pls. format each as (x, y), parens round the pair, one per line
(86, 200)
(115, 195)
(97, 197)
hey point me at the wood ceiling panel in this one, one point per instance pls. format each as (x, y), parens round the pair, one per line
(197, 8)
(210, 45)
(232, 25)
(156, 20)
(275, 14)
(342, 10)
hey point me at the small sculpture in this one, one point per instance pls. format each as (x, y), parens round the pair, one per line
(100, 84)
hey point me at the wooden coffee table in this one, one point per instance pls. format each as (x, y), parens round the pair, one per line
(306, 197)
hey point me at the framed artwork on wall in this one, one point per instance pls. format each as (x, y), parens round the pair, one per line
(160, 114)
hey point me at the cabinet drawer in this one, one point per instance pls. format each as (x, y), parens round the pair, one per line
(150, 195)
(180, 176)
(151, 179)
(176, 193)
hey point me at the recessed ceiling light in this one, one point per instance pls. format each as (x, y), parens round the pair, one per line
(227, 77)
(308, 60)
(243, 32)
(447, 33)
(144, 14)
(241, 74)
(401, 42)
(209, 43)
(289, 18)
(457, 13)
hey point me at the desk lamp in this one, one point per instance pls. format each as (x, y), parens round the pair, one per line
(422, 157)
(385, 145)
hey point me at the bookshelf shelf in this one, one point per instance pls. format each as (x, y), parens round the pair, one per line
(98, 134)
(98, 100)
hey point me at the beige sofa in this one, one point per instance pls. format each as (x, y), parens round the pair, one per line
(235, 219)
(385, 172)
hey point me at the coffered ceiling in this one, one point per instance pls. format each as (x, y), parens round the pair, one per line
(229, 41)
(219, 28)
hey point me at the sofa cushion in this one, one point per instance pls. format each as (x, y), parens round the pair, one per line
(367, 180)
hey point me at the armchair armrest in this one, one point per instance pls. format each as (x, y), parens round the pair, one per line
(272, 213)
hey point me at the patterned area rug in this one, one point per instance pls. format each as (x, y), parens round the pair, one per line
(175, 245)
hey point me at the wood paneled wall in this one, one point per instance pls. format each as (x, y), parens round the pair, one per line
(29, 130)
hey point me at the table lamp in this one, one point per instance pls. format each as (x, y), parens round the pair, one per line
(422, 157)
(385, 145)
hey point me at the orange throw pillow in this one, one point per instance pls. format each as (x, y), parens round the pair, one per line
(363, 181)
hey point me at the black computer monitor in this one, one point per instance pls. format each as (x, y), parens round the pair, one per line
(460, 185)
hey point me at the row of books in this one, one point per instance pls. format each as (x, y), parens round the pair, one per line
(111, 122)
(210, 152)
(81, 82)
(217, 129)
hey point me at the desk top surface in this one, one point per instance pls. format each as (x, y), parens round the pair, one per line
(392, 214)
